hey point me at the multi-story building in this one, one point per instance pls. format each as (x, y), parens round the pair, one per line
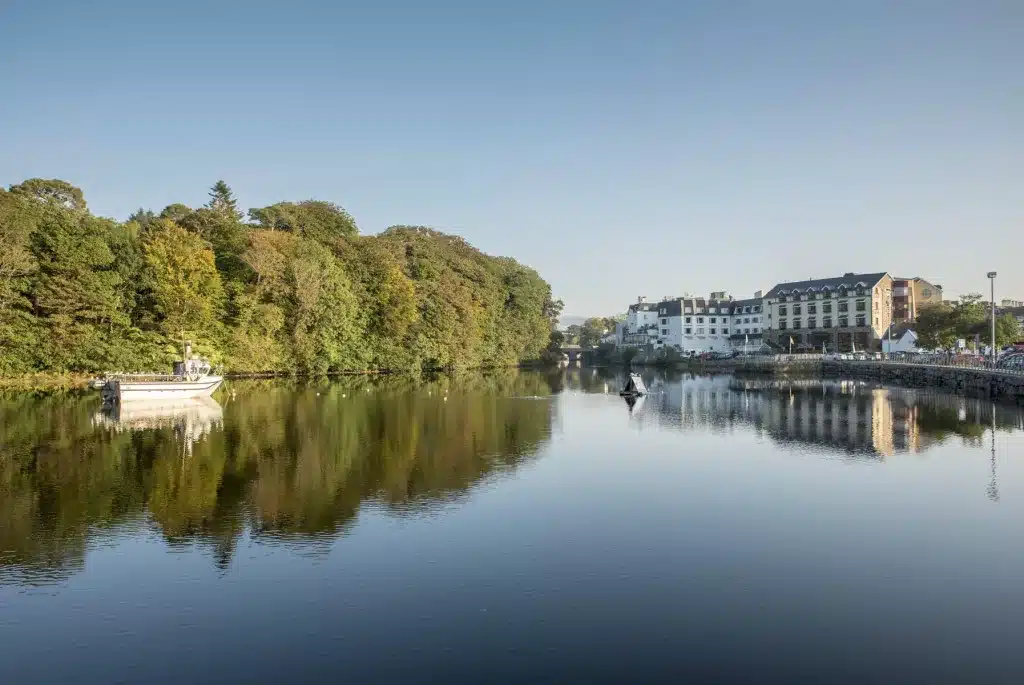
(641, 325)
(1011, 304)
(694, 324)
(834, 313)
(909, 295)
(745, 324)
(640, 315)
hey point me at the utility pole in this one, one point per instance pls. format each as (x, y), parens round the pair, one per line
(992, 281)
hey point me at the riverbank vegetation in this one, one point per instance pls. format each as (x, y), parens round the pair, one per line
(939, 326)
(291, 287)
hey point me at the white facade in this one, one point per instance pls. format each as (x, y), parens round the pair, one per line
(694, 325)
(639, 316)
(907, 342)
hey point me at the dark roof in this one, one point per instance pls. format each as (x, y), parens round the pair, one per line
(752, 302)
(675, 306)
(642, 306)
(898, 330)
(849, 280)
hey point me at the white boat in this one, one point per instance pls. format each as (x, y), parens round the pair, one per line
(191, 378)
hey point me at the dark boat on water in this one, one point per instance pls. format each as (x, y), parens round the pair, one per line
(634, 386)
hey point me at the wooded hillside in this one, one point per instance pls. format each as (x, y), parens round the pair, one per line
(293, 288)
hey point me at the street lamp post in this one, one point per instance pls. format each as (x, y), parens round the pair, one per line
(992, 282)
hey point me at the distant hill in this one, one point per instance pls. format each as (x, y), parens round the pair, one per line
(566, 320)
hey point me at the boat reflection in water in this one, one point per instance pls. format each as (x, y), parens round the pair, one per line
(190, 418)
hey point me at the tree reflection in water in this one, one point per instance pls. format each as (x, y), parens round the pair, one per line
(283, 459)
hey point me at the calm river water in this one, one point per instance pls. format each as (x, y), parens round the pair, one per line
(514, 527)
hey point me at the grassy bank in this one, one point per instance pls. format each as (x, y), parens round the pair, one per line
(34, 382)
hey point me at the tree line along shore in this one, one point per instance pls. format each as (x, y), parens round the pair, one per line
(287, 288)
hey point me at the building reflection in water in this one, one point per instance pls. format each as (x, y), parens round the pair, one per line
(854, 418)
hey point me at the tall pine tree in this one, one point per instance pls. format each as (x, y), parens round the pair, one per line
(223, 200)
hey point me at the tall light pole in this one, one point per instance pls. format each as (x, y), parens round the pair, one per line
(992, 282)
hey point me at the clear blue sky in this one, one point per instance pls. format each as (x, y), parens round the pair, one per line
(620, 148)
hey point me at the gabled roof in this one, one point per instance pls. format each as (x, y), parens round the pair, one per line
(898, 330)
(816, 285)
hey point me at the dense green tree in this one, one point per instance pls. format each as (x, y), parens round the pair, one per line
(187, 292)
(970, 316)
(52, 191)
(222, 200)
(176, 212)
(936, 327)
(295, 290)
(226, 235)
(322, 315)
(1007, 330)
(314, 219)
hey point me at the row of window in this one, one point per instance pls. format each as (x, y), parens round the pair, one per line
(826, 322)
(714, 319)
(756, 309)
(710, 331)
(701, 331)
(826, 308)
(842, 292)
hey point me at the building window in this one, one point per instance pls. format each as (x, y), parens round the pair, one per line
(712, 331)
(782, 324)
(796, 324)
(782, 310)
(812, 323)
(755, 330)
(664, 322)
(844, 307)
(663, 311)
(746, 330)
(755, 319)
(826, 322)
(862, 320)
(725, 331)
(812, 309)
(746, 310)
(757, 308)
(700, 331)
(797, 310)
(827, 308)
(876, 320)
(843, 322)
(927, 292)
(700, 319)
(712, 320)
(664, 331)
(688, 331)
(688, 319)
(861, 305)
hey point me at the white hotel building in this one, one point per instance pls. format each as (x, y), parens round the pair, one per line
(716, 324)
